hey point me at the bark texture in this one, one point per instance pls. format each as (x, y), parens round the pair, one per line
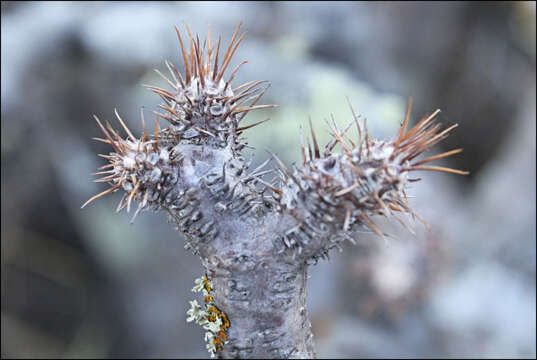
(256, 239)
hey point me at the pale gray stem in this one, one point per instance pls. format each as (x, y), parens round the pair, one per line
(260, 289)
(265, 301)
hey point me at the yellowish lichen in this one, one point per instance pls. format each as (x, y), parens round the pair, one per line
(210, 318)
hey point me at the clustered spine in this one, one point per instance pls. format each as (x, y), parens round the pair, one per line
(210, 318)
(202, 108)
(145, 170)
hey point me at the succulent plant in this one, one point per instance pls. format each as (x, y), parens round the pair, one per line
(256, 238)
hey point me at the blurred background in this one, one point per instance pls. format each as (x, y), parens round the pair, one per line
(86, 283)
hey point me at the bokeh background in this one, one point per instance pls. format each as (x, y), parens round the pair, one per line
(86, 283)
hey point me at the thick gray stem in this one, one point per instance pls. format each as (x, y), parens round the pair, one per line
(265, 301)
(261, 290)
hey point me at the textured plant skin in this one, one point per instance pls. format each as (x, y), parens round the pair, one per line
(256, 239)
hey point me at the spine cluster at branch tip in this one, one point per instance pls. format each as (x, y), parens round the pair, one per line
(340, 191)
(202, 108)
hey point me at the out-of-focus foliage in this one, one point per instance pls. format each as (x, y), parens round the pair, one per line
(86, 283)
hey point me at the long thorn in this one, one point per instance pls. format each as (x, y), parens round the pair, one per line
(356, 122)
(256, 107)
(185, 59)
(271, 187)
(104, 172)
(178, 74)
(233, 73)
(107, 134)
(315, 145)
(439, 136)
(124, 126)
(302, 147)
(106, 141)
(405, 122)
(228, 50)
(439, 156)
(192, 64)
(215, 67)
(255, 101)
(198, 61)
(166, 79)
(280, 163)
(437, 168)
(172, 73)
(107, 191)
(132, 194)
(371, 225)
(254, 124)
(144, 138)
(209, 49)
(419, 125)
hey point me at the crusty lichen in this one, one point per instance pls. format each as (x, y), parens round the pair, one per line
(209, 317)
